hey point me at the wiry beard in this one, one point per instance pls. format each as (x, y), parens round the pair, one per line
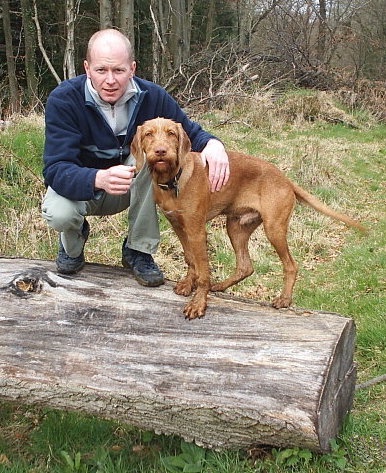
(163, 170)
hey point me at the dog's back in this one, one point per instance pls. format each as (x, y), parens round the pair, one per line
(254, 185)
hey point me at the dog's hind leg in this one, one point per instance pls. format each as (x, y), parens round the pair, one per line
(239, 230)
(276, 232)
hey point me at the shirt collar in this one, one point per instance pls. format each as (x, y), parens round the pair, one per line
(131, 90)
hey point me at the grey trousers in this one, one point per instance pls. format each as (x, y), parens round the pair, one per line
(67, 216)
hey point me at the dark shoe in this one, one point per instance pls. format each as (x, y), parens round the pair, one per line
(142, 266)
(66, 264)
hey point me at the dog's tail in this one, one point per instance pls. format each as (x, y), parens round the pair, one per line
(307, 198)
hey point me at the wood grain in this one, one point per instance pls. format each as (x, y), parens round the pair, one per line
(244, 375)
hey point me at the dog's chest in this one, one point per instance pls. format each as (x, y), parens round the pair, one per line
(168, 203)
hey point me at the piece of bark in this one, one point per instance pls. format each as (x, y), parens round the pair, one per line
(244, 375)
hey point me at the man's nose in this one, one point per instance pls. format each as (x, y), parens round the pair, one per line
(110, 77)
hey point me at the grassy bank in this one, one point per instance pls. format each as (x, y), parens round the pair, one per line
(341, 271)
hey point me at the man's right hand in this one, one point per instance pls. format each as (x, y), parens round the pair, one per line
(115, 180)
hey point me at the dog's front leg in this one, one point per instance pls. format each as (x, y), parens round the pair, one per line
(192, 236)
(185, 285)
(199, 268)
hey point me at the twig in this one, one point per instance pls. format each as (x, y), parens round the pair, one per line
(371, 382)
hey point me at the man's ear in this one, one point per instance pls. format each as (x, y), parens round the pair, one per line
(86, 67)
(184, 144)
(136, 149)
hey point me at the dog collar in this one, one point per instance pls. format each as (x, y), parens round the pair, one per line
(172, 185)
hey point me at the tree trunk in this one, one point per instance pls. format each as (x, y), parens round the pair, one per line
(245, 23)
(126, 19)
(14, 95)
(69, 54)
(321, 42)
(180, 31)
(159, 13)
(30, 57)
(245, 374)
(210, 22)
(105, 14)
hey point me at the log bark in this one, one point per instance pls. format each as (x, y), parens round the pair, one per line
(244, 375)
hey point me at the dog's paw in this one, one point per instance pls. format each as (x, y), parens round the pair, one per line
(194, 310)
(218, 287)
(183, 288)
(281, 302)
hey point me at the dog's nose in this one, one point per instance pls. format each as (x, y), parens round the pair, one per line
(160, 151)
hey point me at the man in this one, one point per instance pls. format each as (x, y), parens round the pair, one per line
(90, 123)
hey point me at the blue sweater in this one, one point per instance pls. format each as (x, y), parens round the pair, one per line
(78, 140)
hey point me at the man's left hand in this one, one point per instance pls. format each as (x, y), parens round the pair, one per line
(215, 155)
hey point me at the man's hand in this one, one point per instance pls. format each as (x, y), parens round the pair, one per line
(215, 155)
(115, 180)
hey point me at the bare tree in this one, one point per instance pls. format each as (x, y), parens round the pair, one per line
(172, 23)
(322, 33)
(41, 45)
(30, 57)
(14, 93)
(180, 30)
(159, 12)
(244, 14)
(106, 16)
(72, 10)
(250, 14)
(365, 40)
(157, 41)
(126, 19)
(308, 37)
(119, 15)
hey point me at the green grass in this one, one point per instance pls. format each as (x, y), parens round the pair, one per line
(341, 271)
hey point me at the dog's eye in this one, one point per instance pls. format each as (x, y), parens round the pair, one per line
(172, 133)
(148, 133)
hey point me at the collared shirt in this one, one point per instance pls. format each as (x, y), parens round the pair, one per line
(117, 115)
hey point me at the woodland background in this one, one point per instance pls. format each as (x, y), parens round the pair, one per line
(201, 51)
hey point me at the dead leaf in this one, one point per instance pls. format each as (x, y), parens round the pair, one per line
(4, 459)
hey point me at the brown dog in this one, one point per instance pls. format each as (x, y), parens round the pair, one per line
(257, 192)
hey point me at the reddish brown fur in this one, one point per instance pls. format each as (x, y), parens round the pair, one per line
(257, 192)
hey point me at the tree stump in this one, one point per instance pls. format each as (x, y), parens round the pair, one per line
(244, 375)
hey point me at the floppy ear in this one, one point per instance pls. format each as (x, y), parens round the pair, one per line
(136, 149)
(184, 144)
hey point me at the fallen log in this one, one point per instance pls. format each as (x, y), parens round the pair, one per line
(244, 375)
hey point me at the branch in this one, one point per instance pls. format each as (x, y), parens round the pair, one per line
(41, 47)
(371, 382)
(157, 31)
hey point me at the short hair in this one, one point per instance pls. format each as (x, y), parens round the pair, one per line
(112, 35)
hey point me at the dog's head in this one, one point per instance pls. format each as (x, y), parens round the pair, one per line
(162, 144)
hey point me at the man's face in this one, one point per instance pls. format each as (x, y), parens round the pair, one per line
(110, 70)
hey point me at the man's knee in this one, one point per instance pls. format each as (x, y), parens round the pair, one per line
(62, 214)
